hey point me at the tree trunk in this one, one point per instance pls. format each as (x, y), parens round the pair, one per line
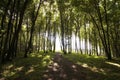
(34, 18)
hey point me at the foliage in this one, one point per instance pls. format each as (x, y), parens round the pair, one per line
(34, 25)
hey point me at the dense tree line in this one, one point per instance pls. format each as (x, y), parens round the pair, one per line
(32, 25)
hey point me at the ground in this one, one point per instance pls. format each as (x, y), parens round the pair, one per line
(63, 69)
(56, 66)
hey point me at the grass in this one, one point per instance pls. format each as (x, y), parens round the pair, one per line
(30, 68)
(97, 68)
(33, 67)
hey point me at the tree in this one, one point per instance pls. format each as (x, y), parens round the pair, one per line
(34, 18)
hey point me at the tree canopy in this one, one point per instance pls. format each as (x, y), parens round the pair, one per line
(68, 36)
(34, 25)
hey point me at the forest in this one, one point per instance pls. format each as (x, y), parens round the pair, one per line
(59, 39)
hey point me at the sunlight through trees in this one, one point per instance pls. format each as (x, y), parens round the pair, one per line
(82, 26)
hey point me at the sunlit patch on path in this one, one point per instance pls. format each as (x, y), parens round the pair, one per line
(63, 69)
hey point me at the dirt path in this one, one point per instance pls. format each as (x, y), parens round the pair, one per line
(63, 69)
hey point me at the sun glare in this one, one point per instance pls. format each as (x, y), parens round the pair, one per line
(115, 64)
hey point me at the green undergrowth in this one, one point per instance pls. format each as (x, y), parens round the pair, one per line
(96, 67)
(30, 68)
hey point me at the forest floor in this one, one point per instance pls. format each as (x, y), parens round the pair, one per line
(61, 67)
(82, 67)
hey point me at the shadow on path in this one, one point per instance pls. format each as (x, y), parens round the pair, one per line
(63, 69)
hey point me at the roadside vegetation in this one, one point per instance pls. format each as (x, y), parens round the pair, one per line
(99, 68)
(30, 68)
